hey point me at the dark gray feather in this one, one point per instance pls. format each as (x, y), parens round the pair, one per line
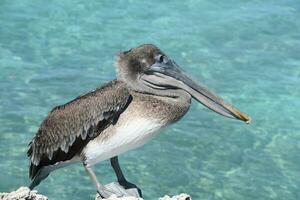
(68, 128)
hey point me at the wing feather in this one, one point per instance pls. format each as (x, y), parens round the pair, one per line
(68, 128)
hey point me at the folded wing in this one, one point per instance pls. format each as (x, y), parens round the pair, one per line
(68, 128)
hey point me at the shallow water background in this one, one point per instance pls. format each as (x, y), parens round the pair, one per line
(246, 51)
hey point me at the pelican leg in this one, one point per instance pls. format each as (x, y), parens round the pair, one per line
(101, 189)
(120, 176)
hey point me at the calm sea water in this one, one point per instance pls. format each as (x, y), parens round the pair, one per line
(246, 51)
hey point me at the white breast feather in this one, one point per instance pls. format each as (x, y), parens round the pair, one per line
(131, 135)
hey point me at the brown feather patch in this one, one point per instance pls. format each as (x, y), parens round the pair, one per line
(68, 128)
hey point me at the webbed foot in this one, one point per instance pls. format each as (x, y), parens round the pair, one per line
(118, 190)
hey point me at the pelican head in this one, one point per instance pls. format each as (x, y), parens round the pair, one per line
(147, 69)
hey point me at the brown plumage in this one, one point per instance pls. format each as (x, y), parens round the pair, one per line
(68, 128)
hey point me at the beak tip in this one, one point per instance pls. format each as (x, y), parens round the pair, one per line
(248, 120)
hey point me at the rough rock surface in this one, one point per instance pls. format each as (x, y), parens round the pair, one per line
(182, 196)
(177, 197)
(23, 193)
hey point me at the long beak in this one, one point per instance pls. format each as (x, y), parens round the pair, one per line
(200, 93)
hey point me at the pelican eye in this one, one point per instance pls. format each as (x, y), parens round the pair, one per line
(160, 58)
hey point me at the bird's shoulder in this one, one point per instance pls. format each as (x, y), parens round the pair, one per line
(104, 96)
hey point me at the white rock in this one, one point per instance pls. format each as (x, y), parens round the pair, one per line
(177, 197)
(23, 193)
(182, 196)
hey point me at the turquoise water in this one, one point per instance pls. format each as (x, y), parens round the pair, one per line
(246, 51)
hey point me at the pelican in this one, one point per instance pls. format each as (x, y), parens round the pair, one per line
(150, 92)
